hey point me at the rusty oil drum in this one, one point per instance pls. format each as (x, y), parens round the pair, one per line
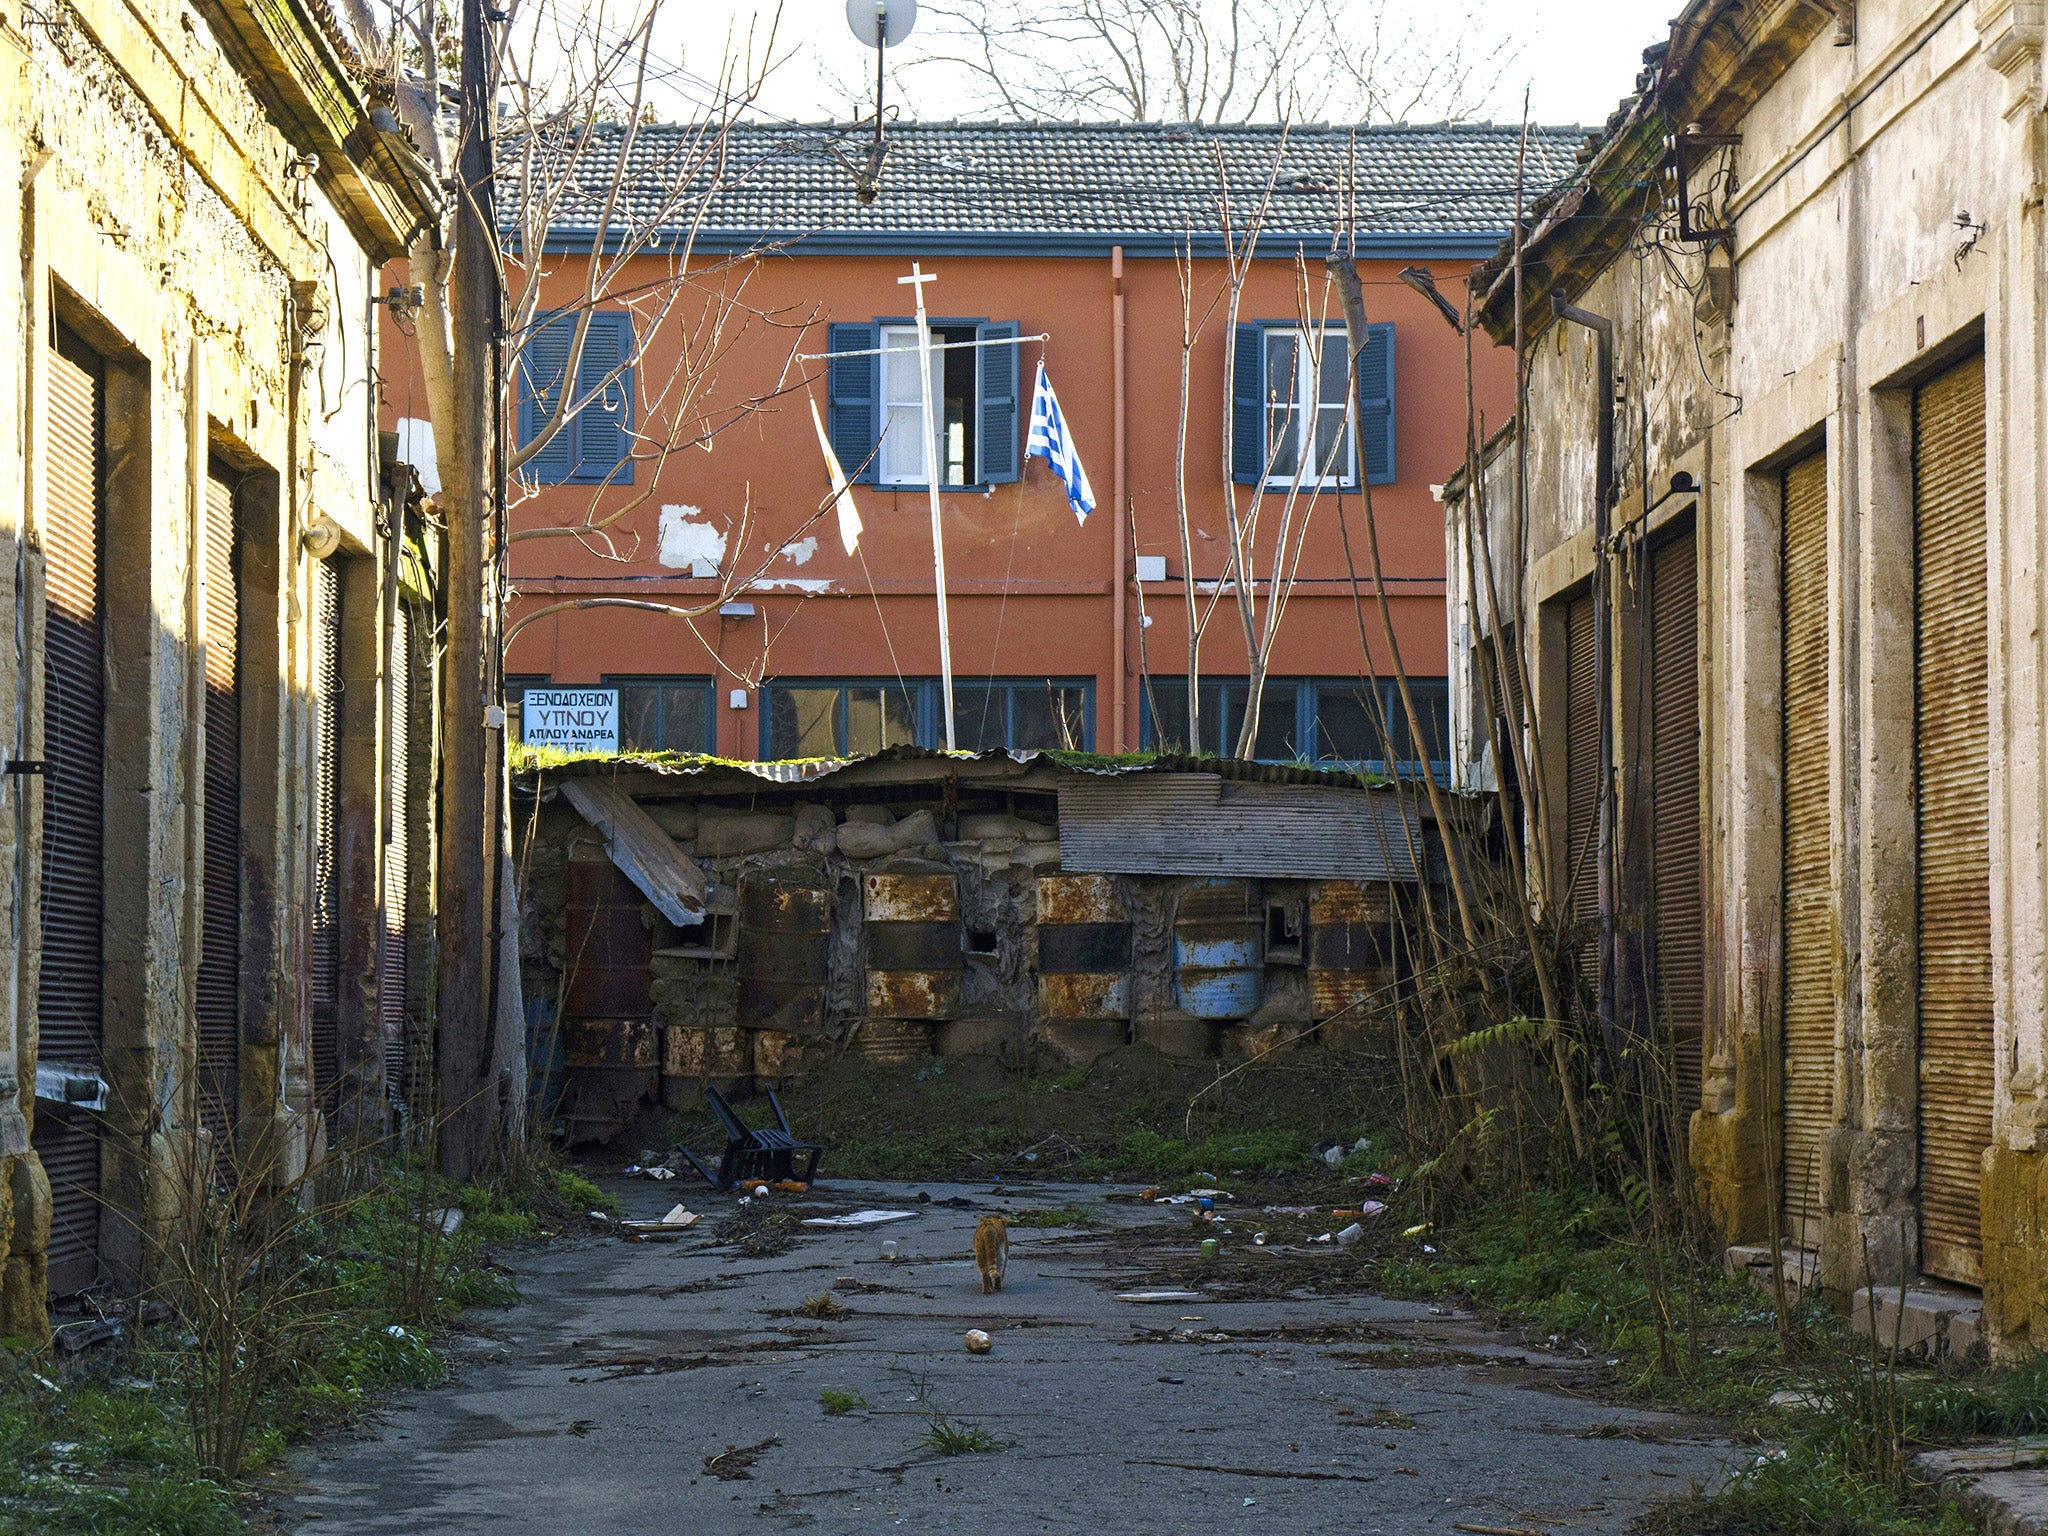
(1217, 954)
(606, 948)
(1084, 949)
(783, 953)
(1350, 947)
(911, 945)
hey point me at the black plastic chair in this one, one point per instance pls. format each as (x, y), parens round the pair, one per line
(751, 1155)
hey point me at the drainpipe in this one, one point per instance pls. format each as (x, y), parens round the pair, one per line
(1122, 560)
(1603, 503)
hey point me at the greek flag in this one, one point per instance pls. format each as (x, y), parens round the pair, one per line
(1050, 442)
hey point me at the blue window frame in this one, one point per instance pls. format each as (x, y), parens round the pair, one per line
(834, 717)
(1290, 405)
(1341, 722)
(595, 446)
(516, 684)
(666, 714)
(1022, 714)
(875, 403)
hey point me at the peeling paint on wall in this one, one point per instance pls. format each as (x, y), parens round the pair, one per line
(687, 545)
(800, 552)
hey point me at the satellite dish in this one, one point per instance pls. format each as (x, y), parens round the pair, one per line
(881, 22)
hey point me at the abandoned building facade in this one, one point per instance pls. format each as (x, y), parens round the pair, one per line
(1808, 628)
(202, 879)
(1064, 245)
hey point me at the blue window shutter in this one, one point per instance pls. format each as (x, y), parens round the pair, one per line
(998, 446)
(853, 388)
(1376, 403)
(1248, 405)
(543, 364)
(604, 444)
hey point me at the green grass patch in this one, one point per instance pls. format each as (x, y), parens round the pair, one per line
(1061, 1216)
(837, 1400)
(102, 1445)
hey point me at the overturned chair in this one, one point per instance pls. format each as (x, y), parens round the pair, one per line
(751, 1154)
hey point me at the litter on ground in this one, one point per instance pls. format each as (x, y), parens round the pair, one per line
(858, 1219)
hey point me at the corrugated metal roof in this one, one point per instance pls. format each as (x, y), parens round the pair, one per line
(1177, 823)
(812, 770)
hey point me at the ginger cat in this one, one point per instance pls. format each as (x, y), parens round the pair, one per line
(991, 1251)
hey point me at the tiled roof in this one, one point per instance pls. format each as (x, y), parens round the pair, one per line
(1080, 182)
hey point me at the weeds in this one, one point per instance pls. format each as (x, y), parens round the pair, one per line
(838, 1401)
(822, 1306)
(946, 1438)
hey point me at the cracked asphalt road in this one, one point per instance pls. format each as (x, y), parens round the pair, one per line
(596, 1404)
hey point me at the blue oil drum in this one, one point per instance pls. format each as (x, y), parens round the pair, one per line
(1217, 960)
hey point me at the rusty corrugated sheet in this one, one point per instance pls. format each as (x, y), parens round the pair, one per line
(1952, 770)
(894, 1040)
(649, 856)
(1203, 824)
(1807, 1097)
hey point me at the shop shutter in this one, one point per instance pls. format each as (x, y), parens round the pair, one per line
(391, 967)
(220, 953)
(1675, 805)
(69, 984)
(1808, 1003)
(1581, 873)
(1953, 800)
(324, 816)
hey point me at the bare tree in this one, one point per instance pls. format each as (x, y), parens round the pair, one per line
(555, 114)
(1213, 61)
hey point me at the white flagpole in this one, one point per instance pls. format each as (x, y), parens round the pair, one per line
(916, 282)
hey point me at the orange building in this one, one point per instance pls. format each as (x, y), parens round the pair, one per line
(1091, 249)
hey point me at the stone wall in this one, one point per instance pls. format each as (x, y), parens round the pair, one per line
(164, 216)
(1884, 202)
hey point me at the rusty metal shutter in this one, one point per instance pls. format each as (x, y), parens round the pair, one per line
(391, 968)
(220, 952)
(324, 816)
(1581, 874)
(1675, 805)
(69, 982)
(1952, 783)
(1808, 1002)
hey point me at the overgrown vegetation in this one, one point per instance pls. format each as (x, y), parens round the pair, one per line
(279, 1307)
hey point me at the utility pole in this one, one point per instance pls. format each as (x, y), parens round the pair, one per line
(916, 281)
(469, 778)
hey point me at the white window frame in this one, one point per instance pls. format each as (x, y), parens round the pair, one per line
(1304, 386)
(893, 339)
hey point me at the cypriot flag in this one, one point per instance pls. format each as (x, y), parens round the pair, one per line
(842, 493)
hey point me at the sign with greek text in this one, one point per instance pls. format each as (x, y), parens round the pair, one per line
(574, 719)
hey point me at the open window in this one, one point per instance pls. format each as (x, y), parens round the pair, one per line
(876, 401)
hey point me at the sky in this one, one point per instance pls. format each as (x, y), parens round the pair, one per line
(1577, 58)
